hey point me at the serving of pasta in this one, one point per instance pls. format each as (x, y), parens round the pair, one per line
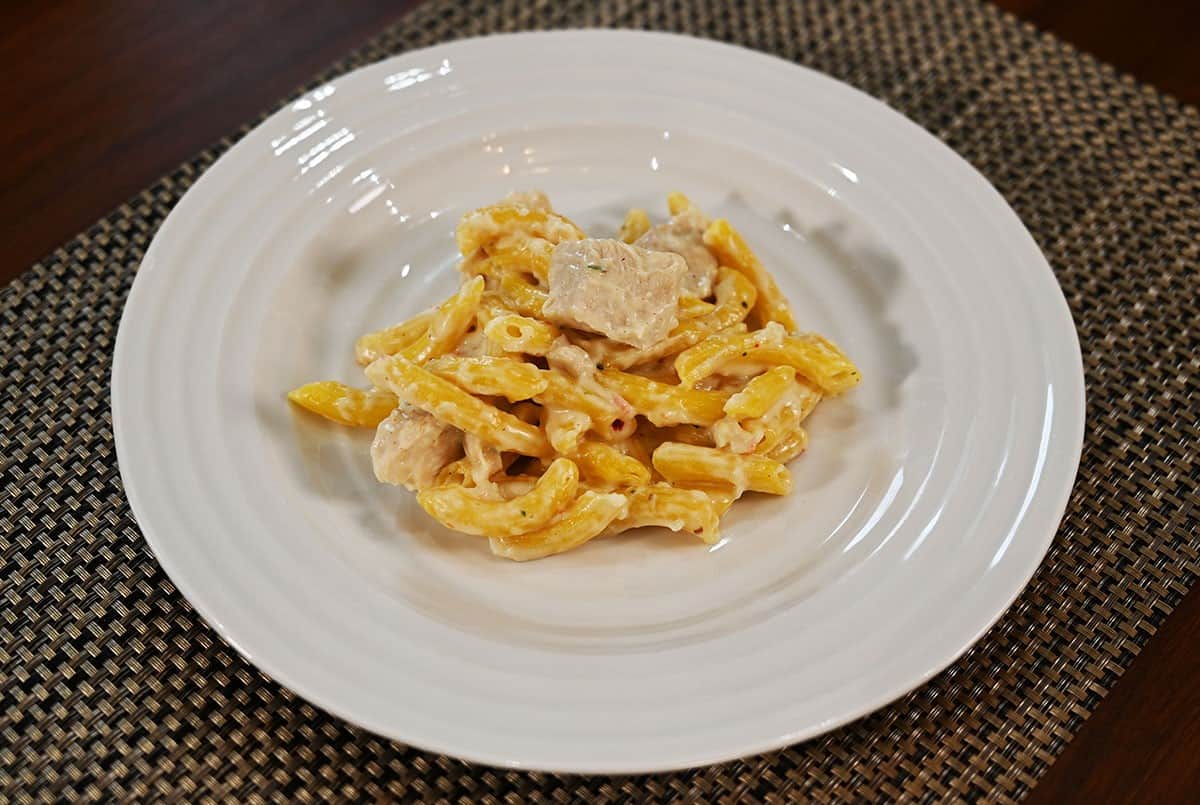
(578, 387)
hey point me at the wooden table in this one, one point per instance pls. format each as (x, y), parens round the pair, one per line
(105, 98)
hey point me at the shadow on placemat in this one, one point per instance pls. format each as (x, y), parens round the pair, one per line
(113, 688)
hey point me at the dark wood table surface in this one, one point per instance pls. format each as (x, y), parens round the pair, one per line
(107, 97)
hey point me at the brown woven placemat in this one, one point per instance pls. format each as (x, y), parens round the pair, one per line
(111, 687)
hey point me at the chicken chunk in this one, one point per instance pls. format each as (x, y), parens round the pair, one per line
(605, 286)
(411, 447)
(684, 235)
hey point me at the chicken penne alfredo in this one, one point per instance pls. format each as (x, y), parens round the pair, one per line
(577, 387)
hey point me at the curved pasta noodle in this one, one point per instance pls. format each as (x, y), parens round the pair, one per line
(731, 249)
(788, 445)
(447, 325)
(816, 358)
(691, 510)
(585, 519)
(455, 507)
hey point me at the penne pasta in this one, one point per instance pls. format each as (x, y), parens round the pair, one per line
(677, 202)
(604, 465)
(700, 465)
(761, 393)
(480, 227)
(491, 376)
(456, 508)
(636, 224)
(666, 404)
(691, 510)
(729, 247)
(817, 359)
(585, 519)
(392, 339)
(521, 254)
(522, 295)
(446, 327)
(565, 428)
(513, 332)
(345, 405)
(698, 362)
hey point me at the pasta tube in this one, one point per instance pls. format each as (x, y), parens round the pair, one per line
(456, 407)
(731, 249)
(345, 405)
(636, 224)
(761, 393)
(521, 334)
(490, 376)
(666, 404)
(522, 296)
(672, 507)
(585, 519)
(685, 463)
(480, 227)
(455, 507)
(448, 324)
(605, 465)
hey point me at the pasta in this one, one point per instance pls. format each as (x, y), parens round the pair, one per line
(344, 405)
(729, 247)
(503, 377)
(516, 333)
(510, 421)
(455, 507)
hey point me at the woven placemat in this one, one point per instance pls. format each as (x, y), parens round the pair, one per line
(111, 687)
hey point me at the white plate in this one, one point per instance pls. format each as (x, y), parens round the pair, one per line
(928, 495)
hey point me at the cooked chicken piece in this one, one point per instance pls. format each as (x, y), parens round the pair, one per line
(411, 447)
(605, 286)
(529, 199)
(684, 235)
